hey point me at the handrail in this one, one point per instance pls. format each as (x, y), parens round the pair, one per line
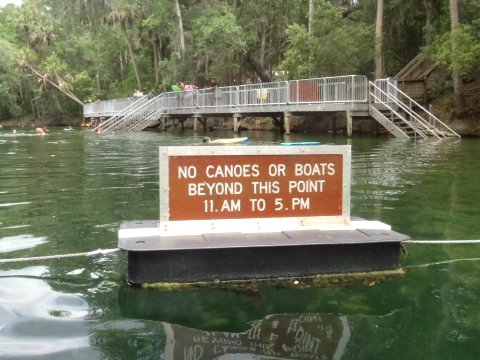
(278, 96)
(106, 125)
(399, 103)
(336, 89)
(131, 113)
(107, 107)
(408, 110)
(272, 95)
(426, 111)
(150, 109)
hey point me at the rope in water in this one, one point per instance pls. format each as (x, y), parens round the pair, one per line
(441, 242)
(108, 251)
(62, 256)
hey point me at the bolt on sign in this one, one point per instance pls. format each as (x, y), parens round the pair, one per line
(215, 183)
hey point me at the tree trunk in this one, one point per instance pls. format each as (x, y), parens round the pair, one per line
(180, 26)
(97, 81)
(159, 43)
(132, 56)
(259, 70)
(56, 100)
(207, 72)
(431, 10)
(263, 43)
(457, 78)
(311, 9)
(67, 93)
(155, 61)
(379, 41)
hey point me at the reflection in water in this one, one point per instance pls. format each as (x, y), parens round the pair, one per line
(204, 324)
(279, 336)
(398, 165)
(37, 321)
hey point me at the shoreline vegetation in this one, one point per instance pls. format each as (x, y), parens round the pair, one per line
(56, 56)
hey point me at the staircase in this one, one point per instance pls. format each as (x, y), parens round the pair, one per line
(401, 115)
(136, 117)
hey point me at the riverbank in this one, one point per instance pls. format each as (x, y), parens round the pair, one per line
(31, 121)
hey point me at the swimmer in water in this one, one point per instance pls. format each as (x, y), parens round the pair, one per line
(41, 130)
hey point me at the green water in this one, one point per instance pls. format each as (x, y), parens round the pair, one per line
(67, 193)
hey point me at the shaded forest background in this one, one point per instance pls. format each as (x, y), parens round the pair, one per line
(56, 54)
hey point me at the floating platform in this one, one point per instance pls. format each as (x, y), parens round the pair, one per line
(364, 246)
(255, 213)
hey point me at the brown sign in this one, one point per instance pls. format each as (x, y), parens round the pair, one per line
(255, 186)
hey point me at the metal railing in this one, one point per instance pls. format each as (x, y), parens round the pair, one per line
(338, 89)
(423, 122)
(122, 114)
(263, 94)
(107, 108)
(146, 112)
(217, 98)
(386, 91)
(269, 97)
(295, 95)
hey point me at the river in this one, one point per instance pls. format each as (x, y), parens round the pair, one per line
(67, 193)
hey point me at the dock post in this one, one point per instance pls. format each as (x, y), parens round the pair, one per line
(286, 122)
(349, 124)
(195, 124)
(236, 122)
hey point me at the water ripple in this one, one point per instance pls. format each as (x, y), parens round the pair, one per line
(20, 242)
(15, 204)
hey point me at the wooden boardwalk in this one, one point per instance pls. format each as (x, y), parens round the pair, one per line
(354, 95)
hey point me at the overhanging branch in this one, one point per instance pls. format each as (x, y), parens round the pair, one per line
(63, 91)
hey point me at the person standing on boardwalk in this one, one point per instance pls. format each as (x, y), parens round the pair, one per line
(176, 88)
(189, 87)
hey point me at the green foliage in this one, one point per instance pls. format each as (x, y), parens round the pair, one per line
(217, 28)
(335, 47)
(9, 81)
(466, 57)
(219, 39)
(104, 48)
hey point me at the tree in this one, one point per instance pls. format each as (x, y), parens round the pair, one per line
(10, 81)
(106, 47)
(180, 25)
(317, 54)
(265, 37)
(379, 41)
(158, 30)
(219, 38)
(457, 78)
(124, 15)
